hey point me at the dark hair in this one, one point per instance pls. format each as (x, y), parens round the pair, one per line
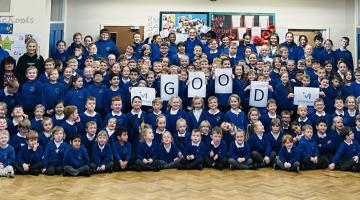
(120, 130)
(6, 60)
(74, 79)
(345, 131)
(112, 75)
(98, 72)
(135, 97)
(104, 30)
(134, 71)
(76, 136)
(303, 36)
(346, 38)
(180, 44)
(89, 36)
(318, 37)
(58, 42)
(320, 120)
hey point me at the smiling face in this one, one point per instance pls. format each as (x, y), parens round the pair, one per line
(196, 136)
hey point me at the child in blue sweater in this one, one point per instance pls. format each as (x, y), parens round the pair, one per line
(30, 157)
(239, 152)
(214, 116)
(59, 116)
(112, 91)
(102, 155)
(36, 122)
(19, 140)
(72, 124)
(53, 91)
(160, 128)
(133, 121)
(147, 152)
(303, 120)
(123, 158)
(10, 94)
(30, 92)
(77, 94)
(116, 106)
(216, 151)
(88, 139)
(54, 153)
(169, 154)
(197, 115)
(174, 113)
(275, 138)
(157, 105)
(7, 155)
(46, 133)
(76, 159)
(260, 146)
(194, 152)
(97, 90)
(205, 129)
(347, 156)
(326, 140)
(90, 114)
(289, 155)
(182, 136)
(235, 115)
(310, 157)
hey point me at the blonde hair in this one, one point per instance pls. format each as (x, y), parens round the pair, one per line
(144, 128)
(197, 98)
(102, 133)
(58, 129)
(181, 120)
(171, 101)
(5, 133)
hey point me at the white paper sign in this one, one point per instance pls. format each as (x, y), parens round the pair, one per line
(305, 95)
(196, 86)
(249, 21)
(241, 32)
(264, 22)
(256, 31)
(146, 94)
(223, 81)
(282, 33)
(236, 21)
(259, 93)
(169, 86)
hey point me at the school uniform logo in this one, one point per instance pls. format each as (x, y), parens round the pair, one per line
(57, 90)
(32, 89)
(108, 49)
(81, 96)
(80, 157)
(101, 91)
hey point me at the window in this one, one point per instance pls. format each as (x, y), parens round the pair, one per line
(57, 10)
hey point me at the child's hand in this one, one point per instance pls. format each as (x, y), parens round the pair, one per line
(247, 88)
(124, 164)
(270, 88)
(77, 120)
(287, 165)
(145, 161)
(241, 160)
(356, 159)
(150, 160)
(216, 157)
(332, 166)
(322, 93)
(50, 112)
(290, 95)
(102, 168)
(212, 153)
(267, 159)
(43, 170)
(1, 166)
(25, 116)
(26, 167)
(180, 155)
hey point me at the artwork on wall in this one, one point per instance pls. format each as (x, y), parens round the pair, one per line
(180, 23)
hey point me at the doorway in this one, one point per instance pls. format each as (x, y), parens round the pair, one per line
(122, 36)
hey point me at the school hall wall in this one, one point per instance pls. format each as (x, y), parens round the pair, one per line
(86, 16)
(31, 16)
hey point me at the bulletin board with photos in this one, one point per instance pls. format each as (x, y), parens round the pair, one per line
(236, 24)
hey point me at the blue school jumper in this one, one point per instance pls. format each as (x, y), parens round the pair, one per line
(212, 55)
(198, 150)
(347, 56)
(220, 150)
(57, 121)
(158, 136)
(155, 52)
(18, 141)
(214, 119)
(291, 156)
(54, 155)
(29, 156)
(121, 151)
(304, 122)
(206, 139)
(193, 123)
(85, 118)
(133, 122)
(127, 95)
(101, 156)
(88, 143)
(43, 139)
(77, 97)
(347, 151)
(239, 151)
(327, 143)
(330, 56)
(356, 132)
(51, 94)
(275, 143)
(166, 156)
(120, 118)
(172, 118)
(172, 49)
(281, 93)
(150, 118)
(76, 157)
(355, 89)
(60, 56)
(238, 119)
(314, 118)
(11, 100)
(190, 45)
(317, 51)
(36, 125)
(72, 128)
(266, 120)
(30, 94)
(181, 140)
(109, 94)
(144, 151)
(349, 118)
(260, 145)
(242, 47)
(7, 155)
(309, 148)
(175, 59)
(98, 91)
(3, 54)
(107, 47)
(292, 48)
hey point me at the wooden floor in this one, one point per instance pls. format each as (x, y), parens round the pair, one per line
(172, 184)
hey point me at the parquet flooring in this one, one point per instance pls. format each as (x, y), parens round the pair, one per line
(173, 184)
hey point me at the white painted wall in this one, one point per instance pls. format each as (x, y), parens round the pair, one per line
(86, 16)
(32, 16)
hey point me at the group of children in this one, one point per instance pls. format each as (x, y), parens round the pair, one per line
(78, 118)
